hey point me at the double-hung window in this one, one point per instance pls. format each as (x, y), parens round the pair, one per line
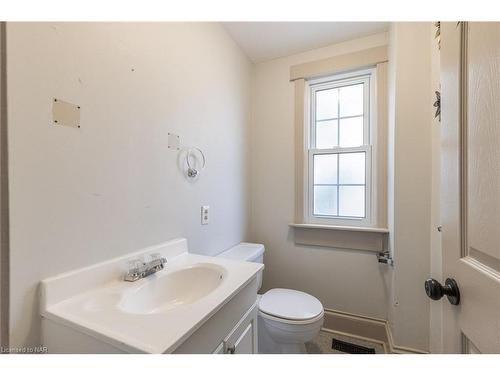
(339, 152)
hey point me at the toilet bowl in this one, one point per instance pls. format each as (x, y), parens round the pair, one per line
(287, 318)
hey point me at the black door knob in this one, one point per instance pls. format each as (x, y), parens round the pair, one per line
(436, 291)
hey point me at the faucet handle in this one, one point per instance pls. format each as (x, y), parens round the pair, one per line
(135, 264)
(158, 259)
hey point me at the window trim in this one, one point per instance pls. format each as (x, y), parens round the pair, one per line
(370, 238)
(369, 77)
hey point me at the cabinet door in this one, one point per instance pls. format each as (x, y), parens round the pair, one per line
(243, 338)
(244, 343)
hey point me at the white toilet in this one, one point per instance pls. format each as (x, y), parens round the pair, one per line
(287, 318)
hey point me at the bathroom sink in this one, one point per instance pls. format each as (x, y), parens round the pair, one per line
(155, 314)
(163, 292)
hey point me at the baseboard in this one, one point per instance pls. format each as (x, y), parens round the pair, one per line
(397, 349)
(366, 328)
(358, 325)
(405, 350)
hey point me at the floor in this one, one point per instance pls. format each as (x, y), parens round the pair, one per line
(322, 344)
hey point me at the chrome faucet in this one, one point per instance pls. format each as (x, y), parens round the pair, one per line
(138, 269)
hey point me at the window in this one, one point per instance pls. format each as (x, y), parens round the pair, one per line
(339, 151)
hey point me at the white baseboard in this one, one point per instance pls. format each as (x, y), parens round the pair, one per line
(365, 328)
(397, 349)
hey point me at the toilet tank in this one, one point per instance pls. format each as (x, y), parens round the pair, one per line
(248, 252)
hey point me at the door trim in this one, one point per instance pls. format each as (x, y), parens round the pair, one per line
(4, 196)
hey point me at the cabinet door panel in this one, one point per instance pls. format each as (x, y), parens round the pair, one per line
(243, 338)
(244, 344)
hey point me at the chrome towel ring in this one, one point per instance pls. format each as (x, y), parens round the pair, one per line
(192, 172)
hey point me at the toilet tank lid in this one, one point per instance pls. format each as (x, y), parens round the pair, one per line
(245, 251)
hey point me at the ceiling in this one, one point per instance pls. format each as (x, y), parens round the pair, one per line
(263, 41)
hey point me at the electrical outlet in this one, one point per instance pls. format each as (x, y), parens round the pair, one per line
(205, 212)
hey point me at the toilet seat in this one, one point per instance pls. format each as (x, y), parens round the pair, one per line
(291, 321)
(290, 306)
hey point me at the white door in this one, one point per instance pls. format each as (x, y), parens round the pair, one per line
(470, 103)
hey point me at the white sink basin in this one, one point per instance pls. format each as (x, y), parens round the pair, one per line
(152, 315)
(163, 292)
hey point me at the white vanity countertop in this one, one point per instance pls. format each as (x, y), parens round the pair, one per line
(89, 300)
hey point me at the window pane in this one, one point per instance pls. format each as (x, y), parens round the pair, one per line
(352, 168)
(351, 100)
(325, 169)
(351, 132)
(327, 134)
(327, 104)
(325, 200)
(352, 201)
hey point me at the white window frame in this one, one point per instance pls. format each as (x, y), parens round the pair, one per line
(368, 77)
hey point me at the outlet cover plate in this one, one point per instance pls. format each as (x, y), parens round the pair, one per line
(205, 215)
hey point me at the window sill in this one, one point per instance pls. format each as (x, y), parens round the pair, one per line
(341, 227)
(343, 237)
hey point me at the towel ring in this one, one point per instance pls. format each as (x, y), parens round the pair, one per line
(192, 172)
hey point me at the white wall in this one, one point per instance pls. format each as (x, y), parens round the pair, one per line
(81, 196)
(411, 176)
(343, 280)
